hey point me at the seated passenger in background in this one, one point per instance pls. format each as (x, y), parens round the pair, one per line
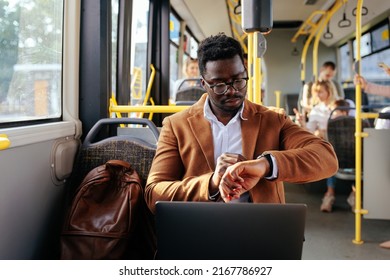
(190, 71)
(309, 98)
(328, 73)
(225, 130)
(319, 115)
(329, 197)
(317, 124)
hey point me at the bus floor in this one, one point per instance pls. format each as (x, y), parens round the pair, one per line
(328, 236)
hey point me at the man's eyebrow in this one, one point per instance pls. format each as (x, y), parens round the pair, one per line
(234, 76)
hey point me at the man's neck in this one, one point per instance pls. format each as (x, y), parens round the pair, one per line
(223, 116)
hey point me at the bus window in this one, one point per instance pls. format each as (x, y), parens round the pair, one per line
(365, 45)
(174, 42)
(139, 40)
(114, 43)
(380, 38)
(191, 46)
(30, 60)
(345, 63)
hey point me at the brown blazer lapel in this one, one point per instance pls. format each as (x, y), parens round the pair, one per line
(250, 129)
(201, 129)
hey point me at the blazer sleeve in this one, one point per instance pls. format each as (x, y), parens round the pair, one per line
(303, 157)
(169, 178)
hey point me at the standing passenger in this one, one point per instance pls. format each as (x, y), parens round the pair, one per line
(328, 73)
(382, 90)
(224, 129)
(329, 196)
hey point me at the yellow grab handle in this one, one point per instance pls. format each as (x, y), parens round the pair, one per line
(4, 142)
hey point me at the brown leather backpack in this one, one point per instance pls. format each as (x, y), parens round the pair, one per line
(106, 215)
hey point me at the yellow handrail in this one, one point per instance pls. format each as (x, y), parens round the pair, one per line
(323, 22)
(236, 24)
(358, 135)
(114, 103)
(250, 67)
(278, 93)
(312, 32)
(308, 26)
(257, 78)
(149, 88)
(150, 84)
(147, 109)
(4, 142)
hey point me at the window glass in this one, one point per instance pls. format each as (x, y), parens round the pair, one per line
(173, 69)
(345, 65)
(174, 41)
(139, 40)
(174, 29)
(193, 48)
(373, 73)
(365, 45)
(114, 42)
(190, 45)
(380, 38)
(30, 59)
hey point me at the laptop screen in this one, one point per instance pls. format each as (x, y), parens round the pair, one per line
(229, 231)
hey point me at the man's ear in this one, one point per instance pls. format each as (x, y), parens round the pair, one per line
(202, 83)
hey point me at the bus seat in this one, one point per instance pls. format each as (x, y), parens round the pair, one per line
(138, 152)
(143, 129)
(351, 95)
(341, 134)
(189, 95)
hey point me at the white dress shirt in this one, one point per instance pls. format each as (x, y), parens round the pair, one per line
(228, 138)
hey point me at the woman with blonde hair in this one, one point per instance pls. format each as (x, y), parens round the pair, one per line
(323, 96)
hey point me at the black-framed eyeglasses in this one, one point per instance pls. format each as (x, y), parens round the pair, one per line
(222, 88)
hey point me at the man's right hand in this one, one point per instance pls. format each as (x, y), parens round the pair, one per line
(223, 162)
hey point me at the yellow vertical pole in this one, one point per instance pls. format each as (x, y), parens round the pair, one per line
(278, 93)
(324, 21)
(256, 70)
(304, 54)
(149, 88)
(358, 129)
(250, 67)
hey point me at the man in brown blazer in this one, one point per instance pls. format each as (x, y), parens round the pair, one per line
(223, 129)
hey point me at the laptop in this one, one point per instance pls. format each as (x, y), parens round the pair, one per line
(229, 231)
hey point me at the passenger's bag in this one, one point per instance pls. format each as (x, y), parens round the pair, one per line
(104, 214)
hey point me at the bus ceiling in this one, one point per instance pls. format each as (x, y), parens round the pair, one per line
(197, 14)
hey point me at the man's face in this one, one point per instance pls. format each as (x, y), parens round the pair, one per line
(225, 71)
(327, 74)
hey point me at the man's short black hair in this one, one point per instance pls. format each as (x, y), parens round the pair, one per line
(218, 47)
